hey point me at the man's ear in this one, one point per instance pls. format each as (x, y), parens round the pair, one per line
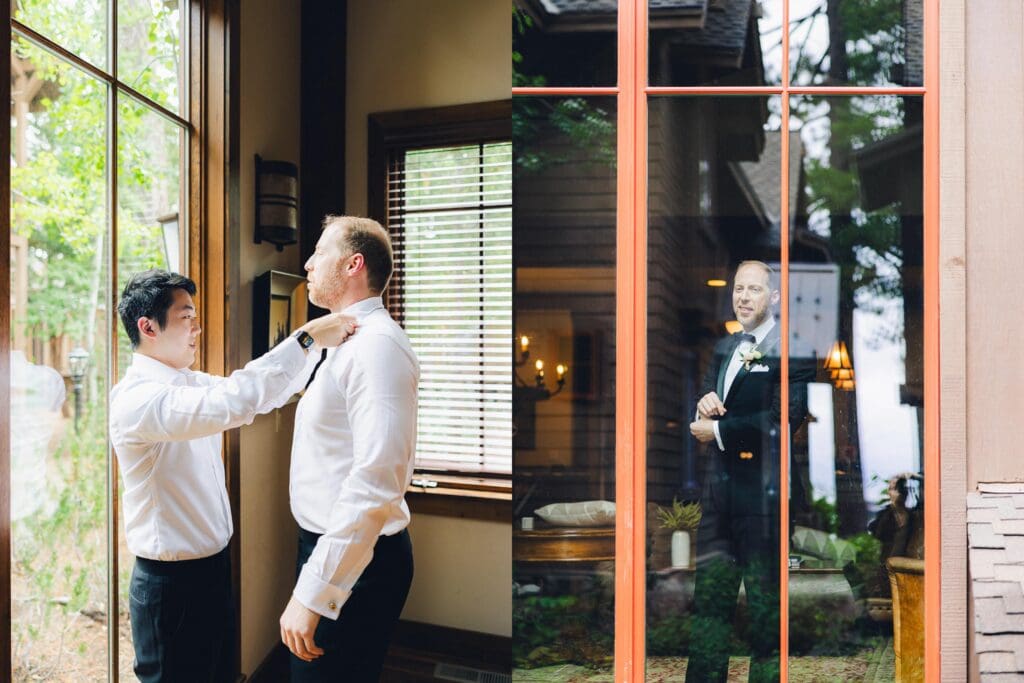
(776, 296)
(147, 328)
(356, 264)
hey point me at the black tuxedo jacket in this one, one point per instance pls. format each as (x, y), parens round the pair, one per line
(750, 427)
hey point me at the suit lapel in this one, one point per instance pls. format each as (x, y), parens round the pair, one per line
(723, 366)
(769, 346)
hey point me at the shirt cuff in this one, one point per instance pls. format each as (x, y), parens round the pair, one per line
(322, 597)
(718, 437)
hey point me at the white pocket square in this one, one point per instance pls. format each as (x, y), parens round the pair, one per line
(759, 368)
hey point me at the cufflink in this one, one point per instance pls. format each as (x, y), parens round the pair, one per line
(332, 605)
(746, 455)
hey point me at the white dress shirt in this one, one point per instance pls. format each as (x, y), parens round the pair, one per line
(165, 426)
(352, 455)
(733, 369)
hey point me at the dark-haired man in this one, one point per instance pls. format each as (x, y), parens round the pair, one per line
(165, 426)
(738, 416)
(352, 459)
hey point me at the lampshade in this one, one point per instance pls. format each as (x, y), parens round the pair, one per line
(838, 357)
(78, 362)
(277, 203)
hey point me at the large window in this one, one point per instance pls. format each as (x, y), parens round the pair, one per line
(752, 162)
(99, 145)
(449, 211)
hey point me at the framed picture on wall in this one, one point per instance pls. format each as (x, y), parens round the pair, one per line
(278, 308)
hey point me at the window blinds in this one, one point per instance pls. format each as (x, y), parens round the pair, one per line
(450, 218)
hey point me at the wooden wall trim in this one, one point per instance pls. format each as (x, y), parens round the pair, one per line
(955, 631)
(5, 355)
(213, 216)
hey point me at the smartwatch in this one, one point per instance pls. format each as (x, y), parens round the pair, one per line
(304, 338)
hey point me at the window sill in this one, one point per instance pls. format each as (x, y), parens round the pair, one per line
(461, 496)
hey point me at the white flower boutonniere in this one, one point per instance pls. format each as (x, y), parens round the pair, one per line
(751, 355)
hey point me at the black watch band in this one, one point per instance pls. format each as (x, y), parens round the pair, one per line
(304, 338)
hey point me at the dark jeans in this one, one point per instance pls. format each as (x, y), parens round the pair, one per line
(183, 620)
(355, 645)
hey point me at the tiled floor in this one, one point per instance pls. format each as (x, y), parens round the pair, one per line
(871, 666)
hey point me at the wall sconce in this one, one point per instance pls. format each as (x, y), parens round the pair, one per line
(538, 391)
(277, 202)
(837, 362)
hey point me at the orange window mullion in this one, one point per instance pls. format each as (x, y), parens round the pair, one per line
(784, 435)
(639, 501)
(626, 381)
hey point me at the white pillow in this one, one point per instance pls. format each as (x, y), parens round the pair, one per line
(586, 513)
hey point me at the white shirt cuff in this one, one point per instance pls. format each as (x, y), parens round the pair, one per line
(322, 597)
(718, 437)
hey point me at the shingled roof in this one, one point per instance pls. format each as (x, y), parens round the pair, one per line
(995, 531)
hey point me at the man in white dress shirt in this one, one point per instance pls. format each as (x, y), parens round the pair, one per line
(165, 426)
(352, 459)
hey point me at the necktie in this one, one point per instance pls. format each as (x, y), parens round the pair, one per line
(323, 357)
(746, 337)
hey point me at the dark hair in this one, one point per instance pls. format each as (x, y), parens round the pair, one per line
(367, 237)
(149, 294)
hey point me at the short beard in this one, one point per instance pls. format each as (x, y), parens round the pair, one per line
(331, 291)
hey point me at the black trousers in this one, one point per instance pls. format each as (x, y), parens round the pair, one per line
(183, 620)
(356, 643)
(748, 524)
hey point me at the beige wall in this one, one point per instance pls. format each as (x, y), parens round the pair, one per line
(269, 126)
(406, 54)
(401, 54)
(995, 204)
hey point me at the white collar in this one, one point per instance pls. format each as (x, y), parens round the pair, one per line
(762, 330)
(147, 366)
(363, 308)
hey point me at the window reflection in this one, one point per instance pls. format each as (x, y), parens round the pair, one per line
(852, 42)
(563, 418)
(564, 43)
(713, 393)
(856, 499)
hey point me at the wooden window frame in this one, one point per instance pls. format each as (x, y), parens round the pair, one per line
(453, 495)
(632, 94)
(212, 199)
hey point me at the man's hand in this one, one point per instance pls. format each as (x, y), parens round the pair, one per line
(710, 406)
(298, 624)
(703, 429)
(331, 329)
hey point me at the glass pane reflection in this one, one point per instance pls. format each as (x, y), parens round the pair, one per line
(856, 297)
(564, 43)
(856, 43)
(730, 42)
(58, 379)
(713, 439)
(563, 418)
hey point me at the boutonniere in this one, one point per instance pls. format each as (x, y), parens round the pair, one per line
(751, 355)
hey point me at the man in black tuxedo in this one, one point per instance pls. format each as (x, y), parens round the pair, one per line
(738, 418)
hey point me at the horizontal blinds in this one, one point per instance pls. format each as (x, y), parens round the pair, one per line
(450, 219)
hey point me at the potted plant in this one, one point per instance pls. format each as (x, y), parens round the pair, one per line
(681, 519)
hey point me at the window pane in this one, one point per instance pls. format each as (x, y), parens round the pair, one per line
(852, 42)
(713, 439)
(564, 431)
(149, 49)
(856, 301)
(730, 42)
(564, 42)
(150, 158)
(59, 298)
(79, 26)
(450, 212)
